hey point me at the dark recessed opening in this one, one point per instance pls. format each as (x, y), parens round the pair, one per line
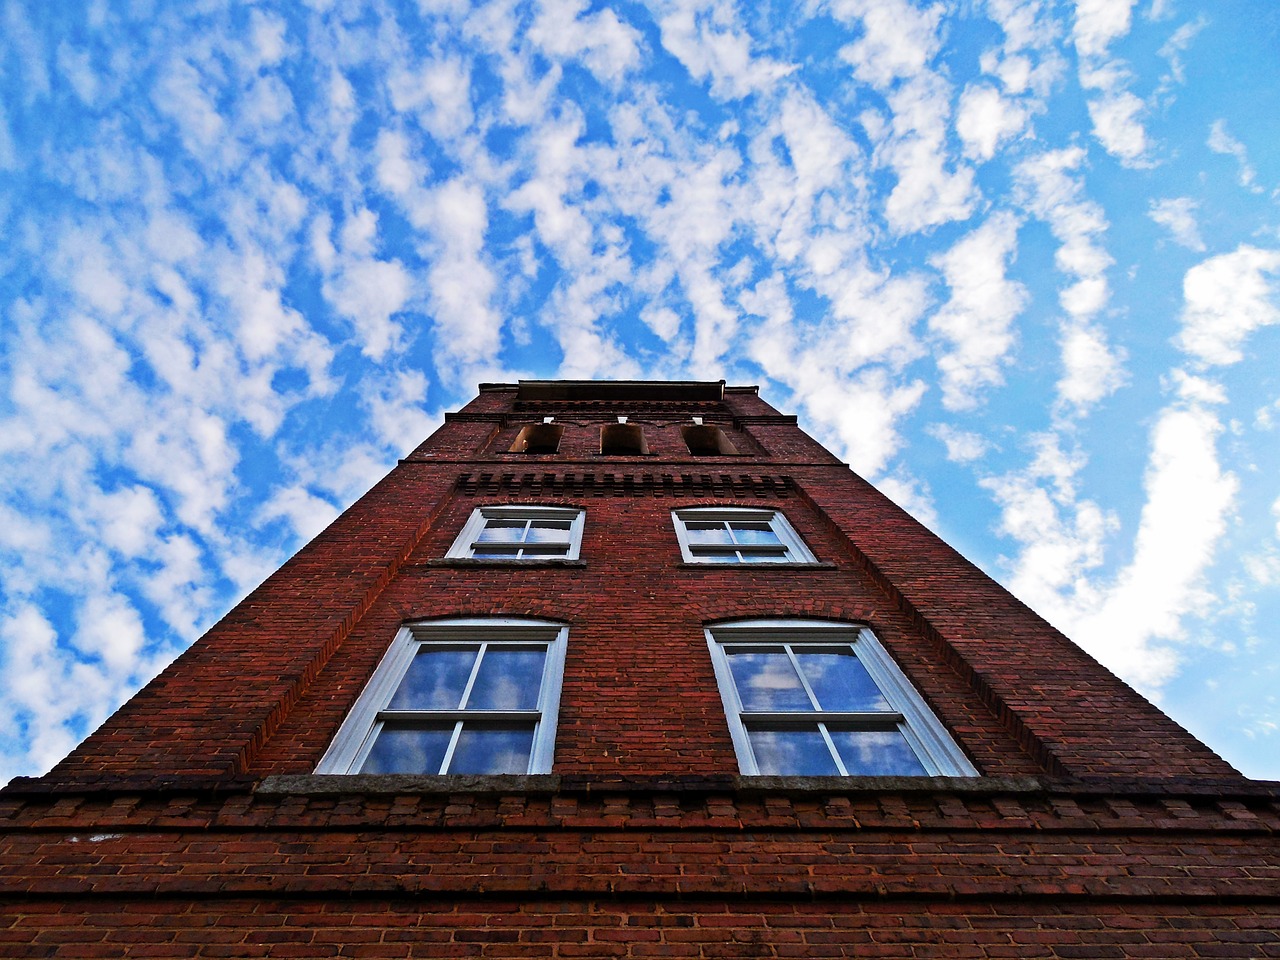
(622, 439)
(538, 438)
(705, 440)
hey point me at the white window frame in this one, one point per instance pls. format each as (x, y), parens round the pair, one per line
(938, 753)
(355, 738)
(464, 546)
(797, 550)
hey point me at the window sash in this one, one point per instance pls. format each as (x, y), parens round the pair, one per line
(527, 533)
(905, 715)
(730, 535)
(357, 738)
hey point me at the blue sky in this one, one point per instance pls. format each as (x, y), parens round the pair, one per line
(1017, 262)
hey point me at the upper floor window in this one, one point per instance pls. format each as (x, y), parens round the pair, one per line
(538, 438)
(459, 696)
(706, 440)
(738, 535)
(520, 532)
(811, 698)
(623, 439)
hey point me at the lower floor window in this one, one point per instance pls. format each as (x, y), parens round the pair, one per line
(813, 698)
(459, 697)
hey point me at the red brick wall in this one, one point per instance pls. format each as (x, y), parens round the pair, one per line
(264, 691)
(1012, 870)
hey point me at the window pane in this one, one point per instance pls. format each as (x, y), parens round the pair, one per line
(502, 531)
(840, 681)
(435, 679)
(408, 750)
(754, 533)
(766, 680)
(879, 753)
(707, 531)
(755, 555)
(495, 552)
(798, 752)
(509, 679)
(492, 749)
(545, 550)
(548, 531)
(715, 555)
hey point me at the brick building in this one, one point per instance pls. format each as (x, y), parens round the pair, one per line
(636, 669)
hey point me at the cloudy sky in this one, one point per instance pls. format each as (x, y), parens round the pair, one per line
(1017, 261)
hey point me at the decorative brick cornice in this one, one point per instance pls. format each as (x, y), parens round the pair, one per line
(612, 483)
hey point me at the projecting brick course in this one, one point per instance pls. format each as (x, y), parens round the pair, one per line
(191, 823)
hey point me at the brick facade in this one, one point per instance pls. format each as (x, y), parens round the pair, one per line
(192, 823)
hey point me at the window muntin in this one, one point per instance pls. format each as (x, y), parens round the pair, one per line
(811, 698)
(458, 697)
(738, 535)
(521, 533)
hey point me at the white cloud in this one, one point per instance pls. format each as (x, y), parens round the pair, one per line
(439, 91)
(898, 43)
(1117, 123)
(267, 38)
(8, 152)
(1227, 297)
(1178, 216)
(1220, 141)
(1189, 499)
(704, 35)
(609, 47)
(35, 694)
(1092, 368)
(986, 119)
(899, 39)
(1098, 23)
(1115, 111)
(396, 410)
(963, 446)
(305, 513)
(75, 66)
(977, 320)
(181, 94)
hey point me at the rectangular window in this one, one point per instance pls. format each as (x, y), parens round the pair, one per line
(520, 533)
(460, 697)
(738, 535)
(707, 440)
(538, 438)
(623, 440)
(812, 698)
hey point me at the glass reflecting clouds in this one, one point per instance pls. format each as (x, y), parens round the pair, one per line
(796, 752)
(879, 753)
(755, 534)
(766, 680)
(502, 531)
(435, 679)
(509, 679)
(409, 749)
(708, 532)
(547, 531)
(840, 681)
(492, 749)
